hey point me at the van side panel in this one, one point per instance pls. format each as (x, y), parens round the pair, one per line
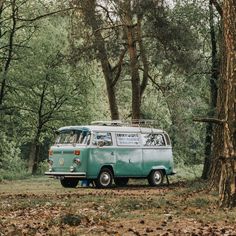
(154, 157)
(99, 157)
(128, 162)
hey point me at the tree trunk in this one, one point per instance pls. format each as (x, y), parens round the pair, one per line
(134, 63)
(225, 134)
(9, 55)
(143, 55)
(34, 150)
(213, 96)
(33, 157)
(135, 79)
(88, 8)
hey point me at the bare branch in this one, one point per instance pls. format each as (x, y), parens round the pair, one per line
(110, 27)
(210, 120)
(48, 14)
(107, 12)
(119, 66)
(217, 6)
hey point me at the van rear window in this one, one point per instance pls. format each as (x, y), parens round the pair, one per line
(153, 140)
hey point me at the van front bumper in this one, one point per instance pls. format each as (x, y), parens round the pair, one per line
(66, 174)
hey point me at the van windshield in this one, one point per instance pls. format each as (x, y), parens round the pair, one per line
(73, 136)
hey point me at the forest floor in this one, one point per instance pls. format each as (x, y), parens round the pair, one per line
(40, 206)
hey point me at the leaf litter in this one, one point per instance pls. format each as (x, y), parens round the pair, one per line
(133, 210)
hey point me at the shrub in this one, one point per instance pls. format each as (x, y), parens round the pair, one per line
(11, 165)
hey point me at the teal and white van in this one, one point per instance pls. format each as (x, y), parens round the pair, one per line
(103, 153)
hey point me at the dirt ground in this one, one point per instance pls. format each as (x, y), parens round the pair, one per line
(40, 206)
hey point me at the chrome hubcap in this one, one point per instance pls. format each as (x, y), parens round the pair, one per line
(157, 177)
(105, 178)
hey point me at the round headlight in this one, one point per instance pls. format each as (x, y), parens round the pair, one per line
(77, 161)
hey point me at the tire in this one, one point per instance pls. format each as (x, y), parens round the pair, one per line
(104, 179)
(156, 178)
(121, 182)
(69, 182)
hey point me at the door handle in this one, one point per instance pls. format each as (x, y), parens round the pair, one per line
(112, 153)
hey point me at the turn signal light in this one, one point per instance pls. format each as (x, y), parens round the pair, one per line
(50, 152)
(77, 152)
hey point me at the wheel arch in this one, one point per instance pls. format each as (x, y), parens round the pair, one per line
(110, 167)
(162, 168)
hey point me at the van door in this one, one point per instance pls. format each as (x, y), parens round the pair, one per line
(128, 155)
(101, 153)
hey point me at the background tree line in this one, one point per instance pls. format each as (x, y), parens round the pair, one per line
(70, 62)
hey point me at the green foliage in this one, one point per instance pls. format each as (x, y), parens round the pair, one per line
(179, 70)
(11, 165)
(201, 202)
(190, 172)
(42, 167)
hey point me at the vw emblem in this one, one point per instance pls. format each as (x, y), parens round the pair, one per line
(61, 161)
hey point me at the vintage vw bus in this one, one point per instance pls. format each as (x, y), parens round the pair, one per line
(103, 153)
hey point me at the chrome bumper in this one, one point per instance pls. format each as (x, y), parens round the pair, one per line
(66, 174)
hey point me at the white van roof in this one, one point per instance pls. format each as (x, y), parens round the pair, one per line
(121, 129)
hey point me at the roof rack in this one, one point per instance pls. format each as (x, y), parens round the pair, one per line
(108, 123)
(145, 123)
(136, 123)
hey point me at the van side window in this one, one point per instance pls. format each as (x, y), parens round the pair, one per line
(102, 139)
(88, 139)
(82, 137)
(153, 140)
(167, 139)
(127, 139)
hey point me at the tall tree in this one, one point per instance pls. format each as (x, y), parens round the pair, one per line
(131, 14)
(7, 50)
(213, 93)
(124, 19)
(224, 149)
(111, 72)
(227, 106)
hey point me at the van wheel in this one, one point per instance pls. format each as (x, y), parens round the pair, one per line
(156, 178)
(121, 182)
(104, 179)
(69, 182)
